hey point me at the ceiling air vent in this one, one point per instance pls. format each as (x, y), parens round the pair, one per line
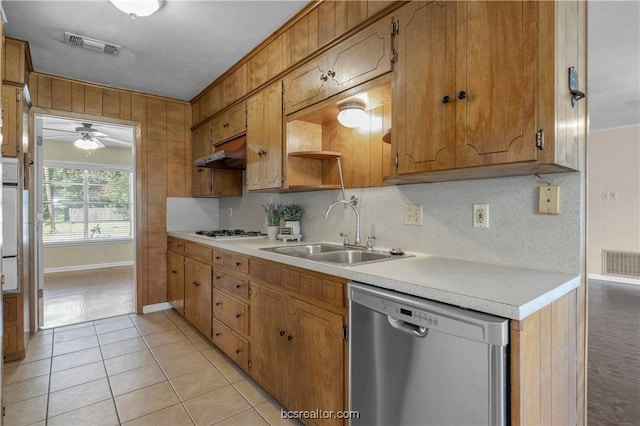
(91, 44)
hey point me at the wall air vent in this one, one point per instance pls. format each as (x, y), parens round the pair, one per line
(621, 263)
(91, 44)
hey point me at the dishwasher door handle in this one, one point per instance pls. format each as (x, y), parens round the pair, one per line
(408, 328)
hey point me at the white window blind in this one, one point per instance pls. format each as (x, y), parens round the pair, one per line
(86, 203)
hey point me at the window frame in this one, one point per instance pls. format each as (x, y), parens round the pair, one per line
(93, 167)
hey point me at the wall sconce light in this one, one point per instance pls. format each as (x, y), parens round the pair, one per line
(135, 8)
(88, 143)
(352, 114)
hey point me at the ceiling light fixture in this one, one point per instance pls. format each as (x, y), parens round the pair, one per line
(87, 142)
(135, 8)
(352, 114)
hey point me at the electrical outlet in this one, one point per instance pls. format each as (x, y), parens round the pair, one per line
(549, 199)
(413, 215)
(481, 215)
(230, 212)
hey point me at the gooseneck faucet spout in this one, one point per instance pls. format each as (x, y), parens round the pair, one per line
(355, 209)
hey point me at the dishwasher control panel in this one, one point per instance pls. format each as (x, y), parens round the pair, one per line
(409, 313)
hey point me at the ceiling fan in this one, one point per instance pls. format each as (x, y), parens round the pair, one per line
(86, 135)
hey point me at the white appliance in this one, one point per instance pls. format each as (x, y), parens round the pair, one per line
(10, 225)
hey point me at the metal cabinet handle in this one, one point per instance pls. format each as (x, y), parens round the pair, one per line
(331, 73)
(238, 315)
(218, 303)
(323, 77)
(289, 338)
(238, 264)
(173, 271)
(445, 99)
(462, 95)
(218, 277)
(217, 334)
(281, 332)
(238, 351)
(238, 285)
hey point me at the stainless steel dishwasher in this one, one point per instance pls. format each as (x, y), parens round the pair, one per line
(417, 362)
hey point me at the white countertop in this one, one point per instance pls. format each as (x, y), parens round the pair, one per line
(504, 291)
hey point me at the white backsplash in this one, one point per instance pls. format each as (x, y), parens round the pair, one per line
(518, 235)
(185, 214)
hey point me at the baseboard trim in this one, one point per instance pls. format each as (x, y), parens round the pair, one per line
(614, 279)
(83, 267)
(147, 309)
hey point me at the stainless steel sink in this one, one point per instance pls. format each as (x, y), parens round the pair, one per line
(304, 250)
(335, 254)
(349, 257)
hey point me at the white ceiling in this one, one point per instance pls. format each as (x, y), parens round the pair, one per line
(176, 52)
(186, 45)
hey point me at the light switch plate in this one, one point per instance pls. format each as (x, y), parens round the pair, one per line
(413, 215)
(549, 199)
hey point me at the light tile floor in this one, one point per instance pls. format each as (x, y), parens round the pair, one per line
(152, 369)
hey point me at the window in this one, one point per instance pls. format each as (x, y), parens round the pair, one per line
(83, 202)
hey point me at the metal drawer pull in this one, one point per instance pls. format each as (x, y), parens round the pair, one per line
(289, 338)
(238, 351)
(281, 332)
(239, 285)
(218, 303)
(238, 315)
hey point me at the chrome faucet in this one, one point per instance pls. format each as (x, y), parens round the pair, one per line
(351, 203)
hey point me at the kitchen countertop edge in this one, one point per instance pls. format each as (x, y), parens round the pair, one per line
(509, 292)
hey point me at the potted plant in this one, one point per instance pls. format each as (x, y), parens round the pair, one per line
(274, 214)
(292, 213)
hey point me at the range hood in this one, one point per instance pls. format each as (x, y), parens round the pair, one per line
(229, 155)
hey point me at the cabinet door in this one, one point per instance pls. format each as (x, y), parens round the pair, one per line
(197, 295)
(316, 367)
(11, 120)
(306, 85)
(175, 281)
(496, 68)
(423, 119)
(229, 124)
(269, 363)
(201, 147)
(360, 58)
(264, 139)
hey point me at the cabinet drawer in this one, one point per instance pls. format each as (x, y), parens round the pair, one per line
(231, 260)
(9, 308)
(175, 244)
(198, 252)
(236, 286)
(232, 312)
(233, 345)
(321, 287)
(229, 124)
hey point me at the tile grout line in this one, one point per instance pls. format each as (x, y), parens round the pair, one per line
(106, 373)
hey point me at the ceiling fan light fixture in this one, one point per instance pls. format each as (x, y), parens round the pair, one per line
(86, 142)
(136, 8)
(352, 114)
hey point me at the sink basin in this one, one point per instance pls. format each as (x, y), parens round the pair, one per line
(332, 253)
(349, 257)
(305, 250)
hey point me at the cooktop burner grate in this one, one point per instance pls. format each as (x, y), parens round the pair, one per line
(229, 233)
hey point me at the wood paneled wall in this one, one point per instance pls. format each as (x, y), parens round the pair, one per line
(545, 350)
(163, 167)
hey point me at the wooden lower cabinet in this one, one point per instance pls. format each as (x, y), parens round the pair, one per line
(197, 295)
(297, 352)
(175, 280)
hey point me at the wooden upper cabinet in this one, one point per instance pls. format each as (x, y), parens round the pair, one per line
(358, 59)
(496, 72)
(501, 68)
(15, 66)
(12, 126)
(229, 124)
(201, 146)
(306, 85)
(265, 138)
(234, 86)
(424, 87)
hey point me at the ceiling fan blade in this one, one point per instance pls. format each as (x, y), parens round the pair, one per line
(115, 141)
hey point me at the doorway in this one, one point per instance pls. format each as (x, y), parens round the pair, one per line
(84, 227)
